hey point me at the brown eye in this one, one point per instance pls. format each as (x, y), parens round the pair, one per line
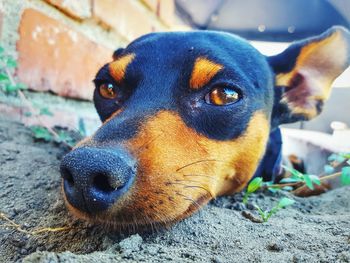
(107, 91)
(222, 96)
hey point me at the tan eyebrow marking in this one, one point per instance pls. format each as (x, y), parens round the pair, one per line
(118, 67)
(203, 71)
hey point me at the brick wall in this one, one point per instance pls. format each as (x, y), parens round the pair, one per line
(60, 44)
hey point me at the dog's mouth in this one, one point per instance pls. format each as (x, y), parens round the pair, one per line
(142, 197)
(132, 216)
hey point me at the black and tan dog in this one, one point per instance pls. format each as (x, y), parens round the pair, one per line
(189, 116)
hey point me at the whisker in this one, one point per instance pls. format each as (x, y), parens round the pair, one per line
(201, 187)
(190, 181)
(189, 199)
(196, 162)
(199, 175)
(193, 186)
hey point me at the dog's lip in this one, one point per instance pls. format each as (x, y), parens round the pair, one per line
(191, 209)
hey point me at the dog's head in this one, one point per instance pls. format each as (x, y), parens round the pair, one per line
(186, 117)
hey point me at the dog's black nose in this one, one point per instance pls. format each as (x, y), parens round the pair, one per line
(93, 178)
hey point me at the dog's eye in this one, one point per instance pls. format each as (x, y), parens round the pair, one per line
(222, 96)
(107, 91)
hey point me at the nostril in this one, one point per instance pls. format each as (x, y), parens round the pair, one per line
(67, 175)
(103, 182)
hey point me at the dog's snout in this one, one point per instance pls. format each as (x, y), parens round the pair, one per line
(94, 178)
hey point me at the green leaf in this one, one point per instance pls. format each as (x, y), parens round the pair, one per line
(339, 158)
(28, 114)
(290, 180)
(21, 86)
(335, 157)
(315, 179)
(41, 133)
(263, 214)
(332, 157)
(273, 211)
(345, 155)
(295, 173)
(1, 50)
(45, 111)
(4, 77)
(284, 202)
(10, 88)
(287, 188)
(254, 185)
(328, 169)
(308, 181)
(345, 175)
(64, 136)
(11, 63)
(273, 189)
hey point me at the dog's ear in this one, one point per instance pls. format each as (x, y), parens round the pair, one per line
(304, 74)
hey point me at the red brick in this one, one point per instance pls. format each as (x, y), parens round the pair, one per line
(166, 11)
(53, 57)
(128, 19)
(80, 9)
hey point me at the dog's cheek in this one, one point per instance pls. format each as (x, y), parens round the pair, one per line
(179, 170)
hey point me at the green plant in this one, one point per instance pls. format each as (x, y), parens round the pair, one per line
(266, 214)
(308, 179)
(255, 185)
(339, 166)
(342, 162)
(7, 68)
(252, 187)
(43, 131)
(64, 136)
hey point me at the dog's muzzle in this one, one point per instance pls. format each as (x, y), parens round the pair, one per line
(94, 178)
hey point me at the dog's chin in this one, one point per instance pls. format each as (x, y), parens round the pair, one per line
(141, 223)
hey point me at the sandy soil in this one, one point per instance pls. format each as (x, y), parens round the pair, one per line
(316, 229)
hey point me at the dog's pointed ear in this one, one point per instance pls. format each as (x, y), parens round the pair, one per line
(304, 74)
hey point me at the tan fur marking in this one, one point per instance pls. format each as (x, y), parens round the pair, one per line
(165, 192)
(118, 67)
(203, 71)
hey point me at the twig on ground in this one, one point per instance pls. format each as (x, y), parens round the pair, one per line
(12, 224)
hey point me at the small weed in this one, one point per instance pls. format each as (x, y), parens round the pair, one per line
(255, 185)
(339, 166)
(308, 179)
(64, 136)
(43, 131)
(7, 68)
(266, 214)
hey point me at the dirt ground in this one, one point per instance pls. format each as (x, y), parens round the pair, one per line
(315, 229)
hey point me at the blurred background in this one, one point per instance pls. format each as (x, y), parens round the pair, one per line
(59, 45)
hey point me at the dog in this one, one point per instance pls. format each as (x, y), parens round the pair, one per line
(189, 116)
